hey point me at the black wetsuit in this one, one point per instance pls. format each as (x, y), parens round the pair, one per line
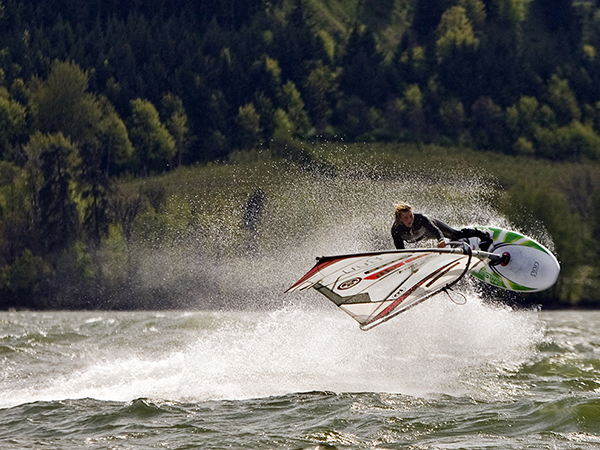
(425, 228)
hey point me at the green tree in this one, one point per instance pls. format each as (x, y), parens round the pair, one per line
(596, 220)
(176, 121)
(321, 87)
(523, 146)
(107, 148)
(19, 91)
(457, 56)
(475, 10)
(362, 68)
(455, 30)
(294, 106)
(124, 207)
(272, 78)
(354, 118)
(523, 116)
(266, 111)
(526, 116)
(412, 107)
(452, 116)
(94, 187)
(111, 139)
(249, 130)
(295, 46)
(12, 122)
(23, 283)
(572, 142)
(62, 104)
(53, 159)
(489, 126)
(410, 65)
(154, 145)
(282, 134)
(16, 217)
(562, 100)
(510, 12)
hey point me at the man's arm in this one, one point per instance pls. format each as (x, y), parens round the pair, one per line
(431, 227)
(398, 241)
(434, 230)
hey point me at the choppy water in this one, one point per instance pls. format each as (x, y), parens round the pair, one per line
(441, 376)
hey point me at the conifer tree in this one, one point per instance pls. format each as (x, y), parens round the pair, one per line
(54, 159)
(362, 68)
(176, 122)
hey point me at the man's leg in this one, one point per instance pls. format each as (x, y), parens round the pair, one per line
(484, 238)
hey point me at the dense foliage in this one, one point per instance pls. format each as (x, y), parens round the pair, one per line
(509, 75)
(98, 89)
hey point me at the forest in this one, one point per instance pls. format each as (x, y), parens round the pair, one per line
(99, 98)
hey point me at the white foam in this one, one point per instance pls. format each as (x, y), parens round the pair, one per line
(438, 348)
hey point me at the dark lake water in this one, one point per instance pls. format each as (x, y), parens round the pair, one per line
(441, 376)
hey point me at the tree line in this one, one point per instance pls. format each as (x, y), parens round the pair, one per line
(94, 90)
(515, 76)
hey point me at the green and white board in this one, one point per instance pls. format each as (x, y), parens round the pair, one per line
(531, 267)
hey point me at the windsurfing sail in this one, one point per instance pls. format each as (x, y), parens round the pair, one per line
(374, 287)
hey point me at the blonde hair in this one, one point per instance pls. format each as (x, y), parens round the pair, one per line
(400, 208)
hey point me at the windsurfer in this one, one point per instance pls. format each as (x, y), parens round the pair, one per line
(412, 227)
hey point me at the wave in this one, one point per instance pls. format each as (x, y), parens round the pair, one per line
(438, 348)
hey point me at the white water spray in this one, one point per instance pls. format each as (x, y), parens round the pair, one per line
(437, 349)
(281, 344)
(304, 215)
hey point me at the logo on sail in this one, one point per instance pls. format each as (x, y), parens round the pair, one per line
(349, 283)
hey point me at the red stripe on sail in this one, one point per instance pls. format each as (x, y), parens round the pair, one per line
(399, 300)
(314, 270)
(393, 267)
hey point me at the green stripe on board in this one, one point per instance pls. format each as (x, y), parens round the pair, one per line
(511, 237)
(490, 278)
(518, 287)
(495, 231)
(535, 245)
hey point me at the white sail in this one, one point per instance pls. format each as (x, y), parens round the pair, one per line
(374, 287)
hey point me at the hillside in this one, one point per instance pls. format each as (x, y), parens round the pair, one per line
(181, 240)
(93, 93)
